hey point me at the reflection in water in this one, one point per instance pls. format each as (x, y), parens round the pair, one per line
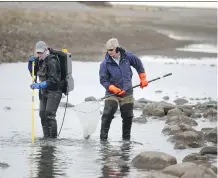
(115, 162)
(47, 161)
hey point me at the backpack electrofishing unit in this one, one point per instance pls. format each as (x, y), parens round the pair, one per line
(65, 60)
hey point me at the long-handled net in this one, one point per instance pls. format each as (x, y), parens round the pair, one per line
(89, 112)
(89, 115)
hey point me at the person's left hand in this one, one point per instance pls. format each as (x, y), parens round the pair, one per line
(31, 59)
(39, 85)
(122, 92)
(143, 81)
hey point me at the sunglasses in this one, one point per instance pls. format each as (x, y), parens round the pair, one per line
(110, 49)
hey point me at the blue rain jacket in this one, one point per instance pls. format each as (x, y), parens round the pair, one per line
(119, 75)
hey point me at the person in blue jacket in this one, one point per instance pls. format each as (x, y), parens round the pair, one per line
(116, 77)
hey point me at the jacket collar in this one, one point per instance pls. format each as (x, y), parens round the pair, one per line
(109, 59)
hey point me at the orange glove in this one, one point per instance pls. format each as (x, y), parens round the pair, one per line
(143, 81)
(116, 90)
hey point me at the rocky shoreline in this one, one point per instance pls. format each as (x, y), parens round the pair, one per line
(180, 118)
(84, 29)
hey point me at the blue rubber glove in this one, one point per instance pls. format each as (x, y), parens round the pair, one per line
(30, 60)
(39, 85)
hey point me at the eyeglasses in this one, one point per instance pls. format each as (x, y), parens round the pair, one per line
(110, 49)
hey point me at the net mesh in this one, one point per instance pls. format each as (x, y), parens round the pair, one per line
(89, 116)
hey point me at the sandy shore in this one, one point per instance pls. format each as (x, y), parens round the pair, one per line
(85, 29)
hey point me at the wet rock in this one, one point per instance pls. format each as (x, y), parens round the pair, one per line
(194, 157)
(175, 120)
(179, 169)
(188, 138)
(156, 174)
(211, 114)
(156, 118)
(7, 108)
(179, 146)
(140, 119)
(189, 170)
(180, 101)
(90, 98)
(195, 144)
(153, 160)
(174, 129)
(200, 108)
(199, 172)
(211, 104)
(144, 101)
(211, 136)
(4, 165)
(175, 112)
(190, 107)
(209, 150)
(195, 115)
(166, 98)
(63, 104)
(138, 105)
(158, 91)
(153, 109)
(206, 129)
(187, 112)
(200, 160)
(167, 106)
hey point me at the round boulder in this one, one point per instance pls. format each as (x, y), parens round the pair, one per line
(152, 160)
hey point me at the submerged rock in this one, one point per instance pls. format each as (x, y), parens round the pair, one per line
(140, 119)
(166, 98)
(180, 101)
(4, 165)
(90, 98)
(7, 108)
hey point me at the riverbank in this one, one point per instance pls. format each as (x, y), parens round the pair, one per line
(83, 29)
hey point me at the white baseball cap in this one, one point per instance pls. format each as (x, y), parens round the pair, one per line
(41, 46)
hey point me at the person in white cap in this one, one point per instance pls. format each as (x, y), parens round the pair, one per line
(116, 77)
(49, 73)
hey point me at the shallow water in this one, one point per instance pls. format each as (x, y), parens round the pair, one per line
(73, 156)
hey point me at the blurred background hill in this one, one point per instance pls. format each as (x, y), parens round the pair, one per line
(84, 27)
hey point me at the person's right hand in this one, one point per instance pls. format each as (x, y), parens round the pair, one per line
(116, 90)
